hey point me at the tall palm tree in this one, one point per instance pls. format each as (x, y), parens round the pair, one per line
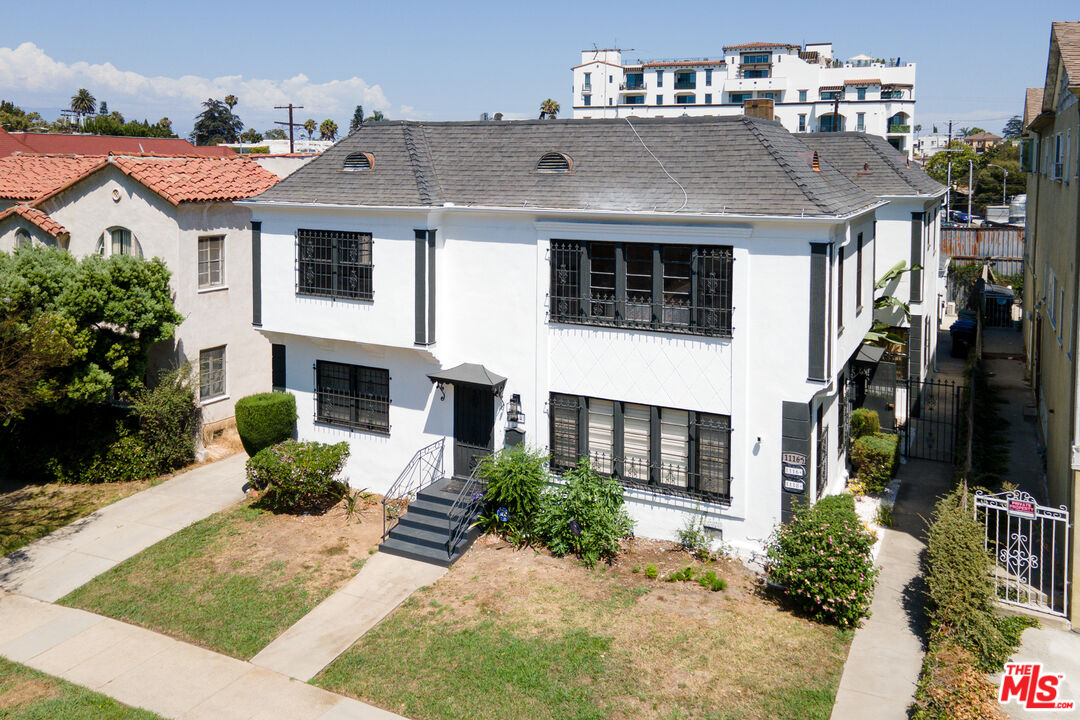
(309, 126)
(549, 109)
(328, 130)
(231, 101)
(83, 103)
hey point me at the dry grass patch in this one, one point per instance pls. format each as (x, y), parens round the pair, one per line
(511, 633)
(236, 580)
(29, 512)
(26, 694)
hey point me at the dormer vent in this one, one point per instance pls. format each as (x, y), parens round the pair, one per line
(553, 162)
(816, 163)
(359, 162)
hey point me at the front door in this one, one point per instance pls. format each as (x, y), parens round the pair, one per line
(474, 419)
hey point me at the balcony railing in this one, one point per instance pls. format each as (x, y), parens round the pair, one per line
(892, 94)
(685, 85)
(899, 128)
(632, 87)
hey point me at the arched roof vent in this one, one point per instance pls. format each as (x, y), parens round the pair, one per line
(554, 162)
(358, 162)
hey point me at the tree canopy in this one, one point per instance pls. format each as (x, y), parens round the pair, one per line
(91, 321)
(275, 134)
(357, 118)
(987, 179)
(14, 119)
(328, 130)
(251, 135)
(549, 109)
(83, 103)
(114, 124)
(1014, 128)
(216, 124)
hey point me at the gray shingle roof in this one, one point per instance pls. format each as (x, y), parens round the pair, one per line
(735, 165)
(872, 163)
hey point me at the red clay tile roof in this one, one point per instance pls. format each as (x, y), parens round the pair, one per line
(26, 177)
(686, 63)
(105, 144)
(198, 179)
(37, 217)
(870, 81)
(8, 144)
(750, 46)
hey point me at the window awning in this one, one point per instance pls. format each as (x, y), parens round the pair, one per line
(469, 374)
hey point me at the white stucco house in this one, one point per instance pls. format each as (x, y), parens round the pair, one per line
(179, 209)
(677, 299)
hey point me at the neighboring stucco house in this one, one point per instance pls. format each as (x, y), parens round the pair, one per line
(80, 144)
(980, 142)
(1052, 264)
(663, 296)
(179, 209)
(908, 230)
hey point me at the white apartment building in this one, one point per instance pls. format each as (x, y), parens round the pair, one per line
(688, 326)
(810, 90)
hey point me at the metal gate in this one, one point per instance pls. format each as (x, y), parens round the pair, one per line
(1029, 543)
(929, 427)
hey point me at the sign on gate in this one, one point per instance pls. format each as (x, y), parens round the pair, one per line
(1029, 544)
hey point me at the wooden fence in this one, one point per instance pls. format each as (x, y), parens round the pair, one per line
(1003, 246)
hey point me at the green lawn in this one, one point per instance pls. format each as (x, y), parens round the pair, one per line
(527, 636)
(27, 694)
(30, 512)
(232, 582)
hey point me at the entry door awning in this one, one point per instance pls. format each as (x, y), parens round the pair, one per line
(869, 354)
(470, 374)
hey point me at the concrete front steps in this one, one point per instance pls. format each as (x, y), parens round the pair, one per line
(423, 532)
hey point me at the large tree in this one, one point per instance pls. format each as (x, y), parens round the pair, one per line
(275, 134)
(377, 116)
(251, 135)
(549, 109)
(328, 130)
(108, 310)
(310, 126)
(14, 119)
(1014, 128)
(357, 119)
(216, 124)
(83, 103)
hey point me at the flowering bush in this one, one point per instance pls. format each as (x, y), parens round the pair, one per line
(821, 558)
(297, 476)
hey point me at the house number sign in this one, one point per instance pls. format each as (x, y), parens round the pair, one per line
(794, 472)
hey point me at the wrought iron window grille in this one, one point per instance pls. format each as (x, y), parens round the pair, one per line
(334, 264)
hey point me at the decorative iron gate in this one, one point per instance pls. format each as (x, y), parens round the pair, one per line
(1029, 543)
(930, 418)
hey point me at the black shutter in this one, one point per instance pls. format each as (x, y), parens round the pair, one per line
(277, 362)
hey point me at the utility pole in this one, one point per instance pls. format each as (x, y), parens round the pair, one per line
(948, 147)
(971, 188)
(290, 107)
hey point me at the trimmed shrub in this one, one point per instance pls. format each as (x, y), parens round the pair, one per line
(951, 687)
(265, 419)
(584, 516)
(516, 478)
(875, 458)
(168, 420)
(822, 561)
(864, 422)
(298, 476)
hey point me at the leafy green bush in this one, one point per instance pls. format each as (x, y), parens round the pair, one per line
(694, 538)
(298, 476)
(168, 420)
(960, 588)
(584, 516)
(265, 419)
(821, 558)
(515, 477)
(123, 460)
(875, 458)
(864, 422)
(651, 571)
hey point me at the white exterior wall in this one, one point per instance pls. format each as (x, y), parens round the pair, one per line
(492, 287)
(220, 316)
(790, 74)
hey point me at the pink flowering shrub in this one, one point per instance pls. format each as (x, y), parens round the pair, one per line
(821, 559)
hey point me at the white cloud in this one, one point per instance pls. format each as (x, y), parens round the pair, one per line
(38, 78)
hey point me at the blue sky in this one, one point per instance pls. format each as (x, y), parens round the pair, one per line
(453, 61)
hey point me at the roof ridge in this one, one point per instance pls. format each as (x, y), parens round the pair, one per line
(785, 165)
(414, 160)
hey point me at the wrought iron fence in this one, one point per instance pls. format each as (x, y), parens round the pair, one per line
(425, 467)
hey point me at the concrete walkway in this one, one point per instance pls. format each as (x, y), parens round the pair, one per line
(886, 654)
(144, 669)
(327, 631)
(56, 564)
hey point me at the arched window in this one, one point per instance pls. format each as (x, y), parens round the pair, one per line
(118, 241)
(22, 238)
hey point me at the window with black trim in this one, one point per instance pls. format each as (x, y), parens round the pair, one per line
(840, 253)
(670, 288)
(858, 275)
(334, 264)
(667, 449)
(352, 396)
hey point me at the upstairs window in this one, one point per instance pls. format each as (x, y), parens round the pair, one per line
(22, 238)
(118, 241)
(211, 262)
(757, 59)
(669, 288)
(334, 264)
(802, 96)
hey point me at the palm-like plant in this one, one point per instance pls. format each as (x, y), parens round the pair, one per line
(83, 103)
(328, 130)
(231, 101)
(880, 333)
(309, 126)
(549, 109)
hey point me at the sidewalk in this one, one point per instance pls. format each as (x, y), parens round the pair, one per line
(886, 654)
(144, 669)
(331, 628)
(75, 554)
